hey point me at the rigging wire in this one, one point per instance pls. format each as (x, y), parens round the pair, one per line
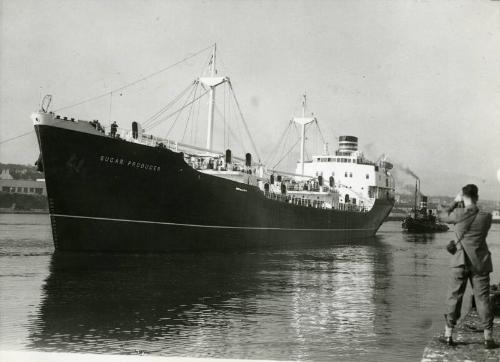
(282, 137)
(285, 143)
(24, 134)
(230, 130)
(137, 80)
(205, 68)
(286, 154)
(177, 113)
(189, 114)
(280, 147)
(243, 120)
(193, 140)
(320, 133)
(110, 106)
(168, 105)
(283, 148)
(235, 137)
(154, 120)
(15, 137)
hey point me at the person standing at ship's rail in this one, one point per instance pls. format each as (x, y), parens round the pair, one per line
(114, 129)
(470, 260)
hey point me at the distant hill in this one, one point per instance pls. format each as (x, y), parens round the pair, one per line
(21, 172)
(487, 205)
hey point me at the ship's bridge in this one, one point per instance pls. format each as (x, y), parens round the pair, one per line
(354, 176)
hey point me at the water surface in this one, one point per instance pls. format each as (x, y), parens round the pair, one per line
(379, 299)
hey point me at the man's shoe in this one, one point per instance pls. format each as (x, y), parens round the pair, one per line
(490, 344)
(472, 328)
(448, 341)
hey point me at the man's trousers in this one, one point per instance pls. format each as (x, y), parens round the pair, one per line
(481, 288)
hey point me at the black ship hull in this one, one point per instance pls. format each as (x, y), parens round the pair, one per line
(107, 194)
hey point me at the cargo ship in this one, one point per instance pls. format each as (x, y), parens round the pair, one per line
(131, 191)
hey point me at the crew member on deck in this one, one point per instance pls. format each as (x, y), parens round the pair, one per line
(114, 128)
(470, 260)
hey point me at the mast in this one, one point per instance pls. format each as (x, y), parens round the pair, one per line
(211, 81)
(303, 121)
(303, 134)
(211, 103)
(415, 205)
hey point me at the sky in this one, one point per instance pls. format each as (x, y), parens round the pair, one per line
(418, 81)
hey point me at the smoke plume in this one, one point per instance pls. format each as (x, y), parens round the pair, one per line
(410, 172)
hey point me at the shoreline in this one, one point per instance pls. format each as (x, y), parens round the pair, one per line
(28, 356)
(43, 212)
(469, 340)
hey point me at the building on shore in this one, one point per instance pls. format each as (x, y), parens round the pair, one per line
(5, 175)
(21, 186)
(29, 187)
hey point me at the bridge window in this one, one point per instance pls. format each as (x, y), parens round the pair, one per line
(367, 176)
(346, 174)
(350, 174)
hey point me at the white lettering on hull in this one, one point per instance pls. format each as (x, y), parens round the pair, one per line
(118, 161)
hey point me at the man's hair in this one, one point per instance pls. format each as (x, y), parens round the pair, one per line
(470, 190)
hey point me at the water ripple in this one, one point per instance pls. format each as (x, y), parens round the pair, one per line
(348, 302)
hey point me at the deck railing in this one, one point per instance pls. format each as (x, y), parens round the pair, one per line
(317, 204)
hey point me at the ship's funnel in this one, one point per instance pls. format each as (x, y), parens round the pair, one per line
(423, 202)
(348, 144)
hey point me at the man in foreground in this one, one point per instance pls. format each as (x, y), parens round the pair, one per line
(470, 260)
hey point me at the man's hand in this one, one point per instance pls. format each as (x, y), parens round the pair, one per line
(459, 198)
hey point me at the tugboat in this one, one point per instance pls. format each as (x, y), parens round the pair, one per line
(496, 215)
(423, 221)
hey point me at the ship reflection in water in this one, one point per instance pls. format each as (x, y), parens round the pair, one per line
(377, 300)
(275, 304)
